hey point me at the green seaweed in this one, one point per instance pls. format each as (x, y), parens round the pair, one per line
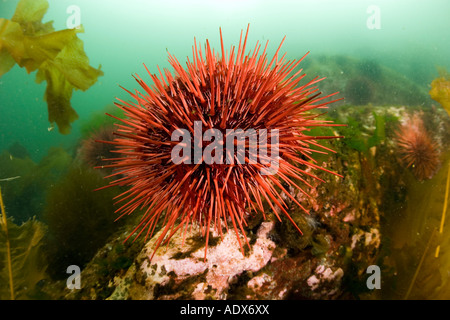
(379, 134)
(371, 69)
(382, 85)
(26, 193)
(357, 138)
(421, 268)
(359, 90)
(79, 219)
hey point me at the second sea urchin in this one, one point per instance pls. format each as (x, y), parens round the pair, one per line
(416, 149)
(217, 92)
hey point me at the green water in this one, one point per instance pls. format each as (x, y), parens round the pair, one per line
(347, 40)
(413, 38)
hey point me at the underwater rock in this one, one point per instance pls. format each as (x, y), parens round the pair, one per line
(278, 265)
(26, 181)
(269, 270)
(343, 235)
(365, 81)
(167, 274)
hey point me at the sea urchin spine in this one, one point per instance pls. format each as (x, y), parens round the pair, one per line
(222, 92)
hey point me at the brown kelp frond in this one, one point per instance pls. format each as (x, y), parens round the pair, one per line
(58, 57)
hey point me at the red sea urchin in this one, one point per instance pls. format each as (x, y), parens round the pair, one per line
(416, 149)
(228, 92)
